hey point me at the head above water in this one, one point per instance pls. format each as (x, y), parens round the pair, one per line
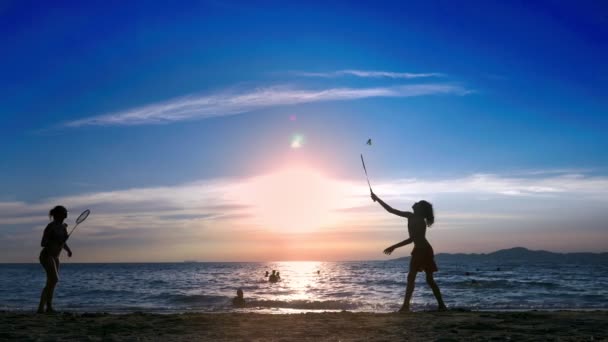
(425, 209)
(59, 213)
(239, 293)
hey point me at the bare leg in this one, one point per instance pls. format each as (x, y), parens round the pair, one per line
(49, 297)
(411, 282)
(43, 296)
(51, 285)
(431, 281)
(51, 280)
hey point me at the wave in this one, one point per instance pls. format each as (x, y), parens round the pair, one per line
(303, 304)
(383, 282)
(376, 287)
(201, 301)
(196, 300)
(105, 292)
(500, 284)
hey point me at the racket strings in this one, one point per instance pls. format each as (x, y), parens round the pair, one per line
(83, 216)
(79, 220)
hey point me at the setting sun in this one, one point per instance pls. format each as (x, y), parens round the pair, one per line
(312, 170)
(295, 199)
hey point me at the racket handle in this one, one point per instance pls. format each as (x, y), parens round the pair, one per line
(71, 231)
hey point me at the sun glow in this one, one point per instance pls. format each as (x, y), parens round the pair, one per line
(295, 199)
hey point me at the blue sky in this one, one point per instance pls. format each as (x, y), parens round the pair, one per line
(496, 111)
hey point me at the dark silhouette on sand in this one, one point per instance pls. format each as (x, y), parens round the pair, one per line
(53, 241)
(423, 258)
(239, 300)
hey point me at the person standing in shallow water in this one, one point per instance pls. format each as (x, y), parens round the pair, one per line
(273, 278)
(239, 300)
(423, 258)
(53, 241)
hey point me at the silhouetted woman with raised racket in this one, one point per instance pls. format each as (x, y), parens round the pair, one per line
(53, 241)
(423, 258)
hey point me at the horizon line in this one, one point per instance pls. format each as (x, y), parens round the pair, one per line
(258, 261)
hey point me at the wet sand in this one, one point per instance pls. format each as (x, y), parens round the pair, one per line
(329, 326)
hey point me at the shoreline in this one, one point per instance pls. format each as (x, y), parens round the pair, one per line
(324, 326)
(292, 311)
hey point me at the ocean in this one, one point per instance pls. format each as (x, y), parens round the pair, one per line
(374, 286)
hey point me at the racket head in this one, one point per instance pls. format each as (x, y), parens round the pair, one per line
(83, 216)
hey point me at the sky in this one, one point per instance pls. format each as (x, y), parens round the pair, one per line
(232, 131)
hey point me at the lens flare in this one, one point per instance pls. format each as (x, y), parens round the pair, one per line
(297, 141)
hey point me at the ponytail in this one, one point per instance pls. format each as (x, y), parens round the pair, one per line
(427, 212)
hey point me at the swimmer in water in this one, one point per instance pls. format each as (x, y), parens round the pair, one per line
(239, 300)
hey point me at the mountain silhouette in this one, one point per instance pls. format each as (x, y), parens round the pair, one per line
(521, 254)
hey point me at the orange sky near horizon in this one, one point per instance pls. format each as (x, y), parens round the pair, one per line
(299, 213)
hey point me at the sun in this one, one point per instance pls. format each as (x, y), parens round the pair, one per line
(294, 199)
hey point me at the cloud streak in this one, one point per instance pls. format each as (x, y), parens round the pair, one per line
(218, 212)
(567, 184)
(369, 74)
(224, 104)
(235, 198)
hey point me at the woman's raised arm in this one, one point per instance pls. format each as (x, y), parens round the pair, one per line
(390, 209)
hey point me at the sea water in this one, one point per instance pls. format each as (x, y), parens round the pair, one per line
(376, 286)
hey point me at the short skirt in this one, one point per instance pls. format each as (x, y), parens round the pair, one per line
(423, 259)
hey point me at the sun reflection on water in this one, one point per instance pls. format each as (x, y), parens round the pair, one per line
(300, 278)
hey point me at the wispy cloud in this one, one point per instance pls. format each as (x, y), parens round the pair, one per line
(208, 106)
(369, 74)
(214, 199)
(567, 184)
(221, 211)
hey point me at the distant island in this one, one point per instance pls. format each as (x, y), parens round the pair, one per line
(521, 254)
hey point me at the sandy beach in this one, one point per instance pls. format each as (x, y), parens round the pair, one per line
(342, 326)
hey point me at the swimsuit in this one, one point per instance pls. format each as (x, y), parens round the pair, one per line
(423, 257)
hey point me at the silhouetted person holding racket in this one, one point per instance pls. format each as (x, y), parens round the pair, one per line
(53, 241)
(423, 258)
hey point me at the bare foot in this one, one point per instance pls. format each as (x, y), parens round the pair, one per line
(442, 308)
(50, 311)
(404, 309)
